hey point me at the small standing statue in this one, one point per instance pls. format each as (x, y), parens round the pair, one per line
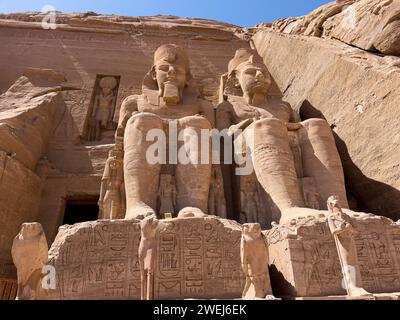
(343, 233)
(249, 199)
(147, 254)
(255, 259)
(29, 253)
(167, 194)
(103, 108)
(111, 202)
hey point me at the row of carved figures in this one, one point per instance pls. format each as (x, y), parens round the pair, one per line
(30, 255)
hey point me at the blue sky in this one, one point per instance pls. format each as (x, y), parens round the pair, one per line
(239, 12)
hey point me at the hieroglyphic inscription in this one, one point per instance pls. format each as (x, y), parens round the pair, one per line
(198, 258)
(98, 260)
(313, 268)
(376, 250)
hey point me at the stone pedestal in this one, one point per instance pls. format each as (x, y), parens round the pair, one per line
(304, 261)
(197, 258)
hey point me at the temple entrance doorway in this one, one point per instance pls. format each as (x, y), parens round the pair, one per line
(81, 209)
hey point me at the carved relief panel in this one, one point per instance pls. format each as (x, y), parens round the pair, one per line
(100, 118)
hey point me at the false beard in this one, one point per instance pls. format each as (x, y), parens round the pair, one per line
(170, 93)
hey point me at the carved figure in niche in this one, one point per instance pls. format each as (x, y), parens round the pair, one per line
(250, 199)
(147, 254)
(266, 121)
(343, 232)
(29, 253)
(255, 259)
(169, 101)
(103, 108)
(216, 200)
(167, 194)
(112, 191)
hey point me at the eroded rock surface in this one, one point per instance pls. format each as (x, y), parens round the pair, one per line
(367, 24)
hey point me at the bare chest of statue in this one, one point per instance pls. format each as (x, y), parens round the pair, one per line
(269, 109)
(190, 106)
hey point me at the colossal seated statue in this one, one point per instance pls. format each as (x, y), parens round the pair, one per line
(169, 103)
(296, 163)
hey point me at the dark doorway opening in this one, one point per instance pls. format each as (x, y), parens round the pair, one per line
(81, 210)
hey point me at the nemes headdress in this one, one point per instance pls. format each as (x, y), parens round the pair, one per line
(108, 82)
(244, 55)
(173, 54)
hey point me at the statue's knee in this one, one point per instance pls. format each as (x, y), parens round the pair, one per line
(268, 126)
(317, 127)
(145, 121)
(195, 122)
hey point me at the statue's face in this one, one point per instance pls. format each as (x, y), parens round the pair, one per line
(253, 79)
(106, 91)
(333, 202)
(171, 80)
(252, 229)
(30, 230)
(170, 72)
(113, 164)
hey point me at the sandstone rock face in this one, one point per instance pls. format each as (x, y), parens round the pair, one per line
(20, 191)
(197, 258)
(346, 86)
(27, 113)
(375, 26)
(311, 24)
(304, 261)
(367, 24)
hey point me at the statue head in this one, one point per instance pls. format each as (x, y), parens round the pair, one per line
(107, 84)
(31, 230)
(115, 157)
(171, 72)
(332, 203)
(251, 230)
(248, 69)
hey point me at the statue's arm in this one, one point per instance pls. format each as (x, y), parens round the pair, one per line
(224, 116)
(102, 193)
(333, 226)
(337, 224)
(122, 194)
(128, 107)
(243, 255)
(110, 117)
(207, 110)
(96, 102)
(103, 181)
